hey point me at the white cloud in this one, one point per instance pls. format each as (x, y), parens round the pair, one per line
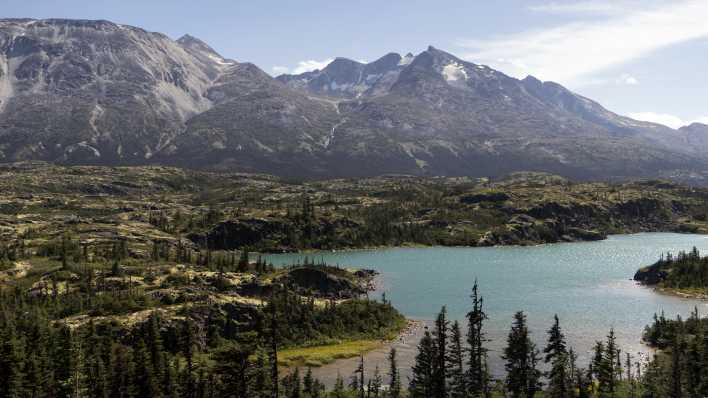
(628, 80)
(571, 52)
(666, 119)
(580, 7)
(310, 65)
(279, 70)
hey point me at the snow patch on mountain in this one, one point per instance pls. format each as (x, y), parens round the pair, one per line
(406, 60)
(220, 60)
(454, 72)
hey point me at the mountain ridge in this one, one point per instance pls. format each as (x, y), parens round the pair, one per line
(96, 92)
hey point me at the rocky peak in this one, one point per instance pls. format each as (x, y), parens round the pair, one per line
(192, 43)
(384, 64)
(696, 128)
(212, 62)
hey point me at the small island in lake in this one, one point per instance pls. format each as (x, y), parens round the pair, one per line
(685, 274)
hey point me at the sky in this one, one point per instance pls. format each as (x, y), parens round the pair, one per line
(646, 59)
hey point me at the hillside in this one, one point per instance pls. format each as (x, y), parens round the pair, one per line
(218, 211)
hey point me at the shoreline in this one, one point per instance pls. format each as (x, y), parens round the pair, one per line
(424, 246)
(405, 343)
(681, 293)
(318, 357)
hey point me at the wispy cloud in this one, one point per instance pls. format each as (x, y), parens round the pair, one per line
(580, 7)
(628, 80)
(302, 67)
(666, 119)
(279, 70)
(310, 65)
(573, 51)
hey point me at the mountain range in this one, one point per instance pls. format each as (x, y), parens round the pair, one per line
(97, 92)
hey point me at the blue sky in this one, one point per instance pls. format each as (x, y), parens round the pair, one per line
(646, 59)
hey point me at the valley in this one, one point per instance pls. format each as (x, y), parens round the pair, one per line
(221, 260)
(177, 223)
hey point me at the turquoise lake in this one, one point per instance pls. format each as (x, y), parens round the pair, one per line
(587, 284)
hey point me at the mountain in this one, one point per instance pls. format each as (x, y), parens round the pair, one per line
(93, 91)
(441, 115)
(96, 92)
(345, 78)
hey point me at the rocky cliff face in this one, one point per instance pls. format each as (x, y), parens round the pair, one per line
(93, 91)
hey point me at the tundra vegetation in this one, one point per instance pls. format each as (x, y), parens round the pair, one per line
(147, 281)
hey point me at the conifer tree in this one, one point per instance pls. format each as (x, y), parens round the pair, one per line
(521, 356)
(188, 344)
(441, 361)
(357, 383)
(63, 360)
(243, 263)
(375, 383)
(458, 385)
(143, 380)
(169, 383)
(394, 375)
(10, 362)
(607, 374)
(273, 354)
(557, 356)
(154, 346)
(653, 384)
(534, 383)
(338, 391)
(676, 366)
(596, 364)
(295, 386)
(421, 383)
(234, 369)
(476, 368)
(120, 386)
(308, 383)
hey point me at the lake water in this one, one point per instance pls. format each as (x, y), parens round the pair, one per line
(587, 284)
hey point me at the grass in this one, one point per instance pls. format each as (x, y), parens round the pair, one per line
(322, 355)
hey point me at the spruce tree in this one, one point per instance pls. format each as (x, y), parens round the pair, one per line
(143, 380)
(154, 345)
(596, 364)
(120, 385)
(308, 383)
(652, 381)
(188, 344)
(234, 369)
(520, 356)
(394, 375)
(534, 383)
(607, 374)
(273, 353)
(10, 362)
(476, 368)
(421, 383)
(169, 383)
(357, 383)
(458, 385)
(557, 356)
(339, 391)
(441, 361)
(374, 390)
(676, 365)
(295, 387)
